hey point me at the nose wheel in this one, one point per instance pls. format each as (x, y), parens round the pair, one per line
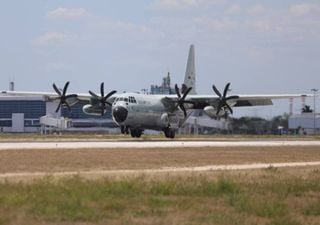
(124, 130)
(136, 133)
(169, 132)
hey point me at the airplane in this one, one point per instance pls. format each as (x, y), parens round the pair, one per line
(135, 112)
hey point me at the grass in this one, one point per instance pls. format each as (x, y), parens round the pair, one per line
(273, 197)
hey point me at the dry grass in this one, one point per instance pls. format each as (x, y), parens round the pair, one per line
(106, 159)
(268, 197)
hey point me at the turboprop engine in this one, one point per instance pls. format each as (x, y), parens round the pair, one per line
(212, 112)
(164, 119)
(92, 110)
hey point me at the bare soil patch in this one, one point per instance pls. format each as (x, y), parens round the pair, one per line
(50, 161)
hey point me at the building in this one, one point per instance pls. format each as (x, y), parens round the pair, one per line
(22, 114)
(164, 88)
(305, 123)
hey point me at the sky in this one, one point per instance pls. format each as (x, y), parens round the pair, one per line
(261, 47)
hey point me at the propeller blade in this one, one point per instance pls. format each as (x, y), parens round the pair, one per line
(102, 89)
(102, 99)
(93, 94)
(215, 89)
(230, 109)
(183, 109)
(57, 110)
(177, 91)
(181, 100)
(186, 93)
(109, 94)
(65, 88)
(225, 92)
(223, 99)
(56, 89)
(62, 96)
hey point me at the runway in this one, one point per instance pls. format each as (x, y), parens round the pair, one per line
(149, 144)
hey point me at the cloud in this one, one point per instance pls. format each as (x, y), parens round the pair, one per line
(303, 9)
(233, 9)
(173, 4)
(257, 9)
(50, 37)
(215, 24)
(182, 4)
(65, 13)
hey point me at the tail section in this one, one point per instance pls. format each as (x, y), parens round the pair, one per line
(190, 77)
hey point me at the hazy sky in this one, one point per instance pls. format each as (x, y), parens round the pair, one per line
(259, 46)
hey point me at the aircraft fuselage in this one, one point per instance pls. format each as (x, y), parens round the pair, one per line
(140, 111)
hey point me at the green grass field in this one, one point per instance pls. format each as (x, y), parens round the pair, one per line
(271, 196)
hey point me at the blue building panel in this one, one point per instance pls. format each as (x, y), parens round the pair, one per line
(31, 109)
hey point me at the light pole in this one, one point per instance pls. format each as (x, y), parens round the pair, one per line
(314, 109)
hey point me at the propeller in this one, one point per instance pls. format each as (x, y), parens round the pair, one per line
(223, 99)
(63, 97)
(181, 100)
(102, 99)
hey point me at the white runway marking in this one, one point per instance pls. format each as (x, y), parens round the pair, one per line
(150, 144)
(162, 170)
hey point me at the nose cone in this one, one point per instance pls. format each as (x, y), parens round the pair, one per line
(120, 114)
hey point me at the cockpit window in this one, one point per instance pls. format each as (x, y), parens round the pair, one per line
(126, 99)
(132, 99)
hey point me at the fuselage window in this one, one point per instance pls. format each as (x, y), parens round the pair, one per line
(126, 99)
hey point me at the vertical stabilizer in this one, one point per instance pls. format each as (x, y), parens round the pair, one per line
(190, 77)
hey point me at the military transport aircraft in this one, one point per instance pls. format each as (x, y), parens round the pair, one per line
(135, 112)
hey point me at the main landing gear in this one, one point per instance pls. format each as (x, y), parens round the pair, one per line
(169, 132)
(136, 133)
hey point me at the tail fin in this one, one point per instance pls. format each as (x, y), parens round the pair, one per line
(190, 77)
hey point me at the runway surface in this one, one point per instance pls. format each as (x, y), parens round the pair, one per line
(149, 144)
(162, 170)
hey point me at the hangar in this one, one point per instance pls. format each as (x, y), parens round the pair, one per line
(30, 114)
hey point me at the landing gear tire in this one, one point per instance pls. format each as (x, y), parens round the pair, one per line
(136, 133)
(124, 130)
(169, 133)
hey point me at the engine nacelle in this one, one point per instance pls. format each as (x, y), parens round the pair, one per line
(164, 119)
(72, 101)
(91, 110)
(212, 112)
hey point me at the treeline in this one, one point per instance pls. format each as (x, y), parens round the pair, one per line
(257, 125)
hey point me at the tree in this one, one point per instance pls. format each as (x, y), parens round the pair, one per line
(307, 109)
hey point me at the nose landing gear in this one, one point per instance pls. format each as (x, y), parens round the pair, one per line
(136, 133)
(169, 132)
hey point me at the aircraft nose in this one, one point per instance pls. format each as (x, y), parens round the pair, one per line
(120, 114)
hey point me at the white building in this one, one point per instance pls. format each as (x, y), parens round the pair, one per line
(305, 122)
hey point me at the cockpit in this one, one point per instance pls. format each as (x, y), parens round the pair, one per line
(129, 99)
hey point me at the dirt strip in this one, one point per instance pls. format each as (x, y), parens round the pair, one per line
(61, 160)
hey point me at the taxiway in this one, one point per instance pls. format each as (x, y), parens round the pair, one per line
(149, 144)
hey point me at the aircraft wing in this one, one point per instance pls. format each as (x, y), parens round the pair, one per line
(201, 101)
(47, 96)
